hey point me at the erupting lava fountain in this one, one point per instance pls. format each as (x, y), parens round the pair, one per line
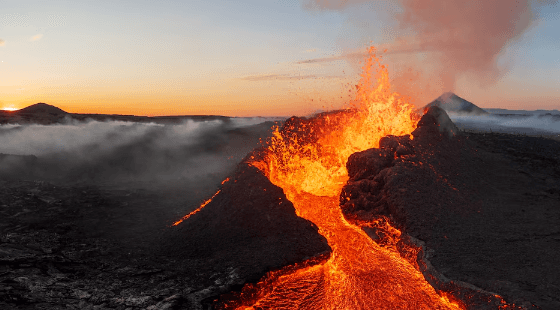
(308, 161)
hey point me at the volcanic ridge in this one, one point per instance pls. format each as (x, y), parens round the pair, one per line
(452, 103)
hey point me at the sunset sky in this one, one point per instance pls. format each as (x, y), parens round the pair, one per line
(271, 58)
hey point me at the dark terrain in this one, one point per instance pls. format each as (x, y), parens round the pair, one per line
(486, 207)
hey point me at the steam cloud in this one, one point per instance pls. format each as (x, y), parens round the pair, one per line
(457, 36)
(115, 152)
(525, 123)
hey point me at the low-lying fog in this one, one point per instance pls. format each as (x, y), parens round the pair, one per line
(193, 154)
(511, 121)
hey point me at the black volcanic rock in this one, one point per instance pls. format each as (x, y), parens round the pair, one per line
(363, 197)
(453, 103)
(434, 125)
(368, 163)
(482, 207)
(249, 227)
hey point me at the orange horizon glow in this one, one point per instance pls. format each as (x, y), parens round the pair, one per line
(240, 99)
(245, 97)
(282, 108)
(255, 110)
(232, 67)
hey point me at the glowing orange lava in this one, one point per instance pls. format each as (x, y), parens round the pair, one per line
(311, 168)
(204, 204)
(359, 274)
(319, 168)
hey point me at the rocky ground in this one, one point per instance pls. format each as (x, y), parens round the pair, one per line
(85, 248)
(98, 247)
(486, 207)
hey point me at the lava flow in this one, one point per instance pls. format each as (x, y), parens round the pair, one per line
(308, 161)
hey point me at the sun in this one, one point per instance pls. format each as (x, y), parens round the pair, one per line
(10, 109)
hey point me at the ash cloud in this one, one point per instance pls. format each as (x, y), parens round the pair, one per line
(192, 154)
(456, 37)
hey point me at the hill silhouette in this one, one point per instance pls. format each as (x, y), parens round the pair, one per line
(46, 114)
(455, 104)
(39, 113)
(41, 108)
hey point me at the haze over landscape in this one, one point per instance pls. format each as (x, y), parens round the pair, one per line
(273, 58)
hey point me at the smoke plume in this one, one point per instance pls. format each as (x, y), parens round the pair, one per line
(454, 37)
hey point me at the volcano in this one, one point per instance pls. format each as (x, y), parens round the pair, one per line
(420, 198)
(361, 154)
(452, 103)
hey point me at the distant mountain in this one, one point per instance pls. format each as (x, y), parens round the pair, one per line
(41, 108)
(453, 103)
(46, 114)
(39, 113)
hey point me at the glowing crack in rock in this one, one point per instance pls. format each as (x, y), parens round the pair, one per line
(202, 205)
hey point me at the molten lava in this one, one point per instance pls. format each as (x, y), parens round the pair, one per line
(204, 204)
(319, 166)
(308, 161)
(359, 274)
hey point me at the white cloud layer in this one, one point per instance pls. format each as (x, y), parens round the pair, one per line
(527, 123)
(125, 152)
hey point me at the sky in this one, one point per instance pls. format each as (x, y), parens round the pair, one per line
(273, 58)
